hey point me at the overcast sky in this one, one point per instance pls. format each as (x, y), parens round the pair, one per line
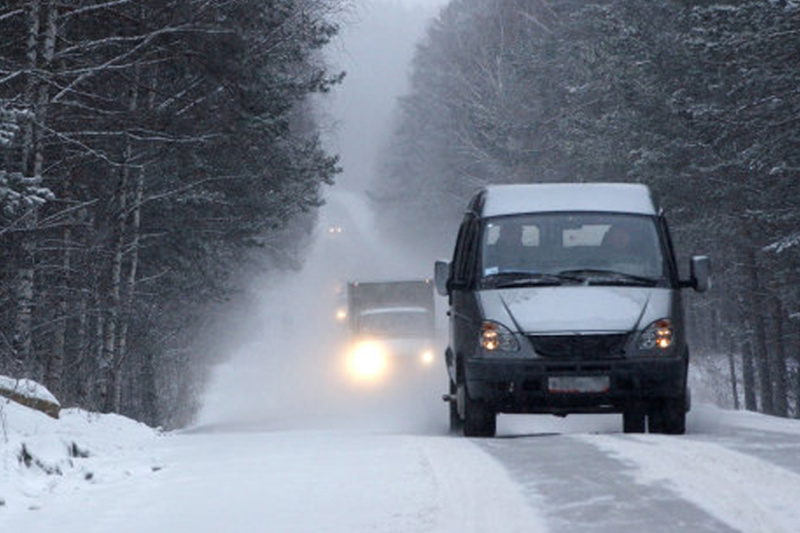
(375, 49)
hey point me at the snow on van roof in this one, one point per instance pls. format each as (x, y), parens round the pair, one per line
(552, 197)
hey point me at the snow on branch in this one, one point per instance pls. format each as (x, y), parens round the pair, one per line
(19, 194)
(9, 123)
(12, 14)
(784, 244)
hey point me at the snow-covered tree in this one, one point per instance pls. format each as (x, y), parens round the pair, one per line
(176, 138)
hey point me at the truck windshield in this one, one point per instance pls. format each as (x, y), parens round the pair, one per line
(556, 248)
(395, 323)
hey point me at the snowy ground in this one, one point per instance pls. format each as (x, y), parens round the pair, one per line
(90, 473)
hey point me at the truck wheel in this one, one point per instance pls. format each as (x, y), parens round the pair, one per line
(479, 419)
(633, 420)
(456, 424)
(669, 417)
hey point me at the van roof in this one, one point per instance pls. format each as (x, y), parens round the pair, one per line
(501, 200)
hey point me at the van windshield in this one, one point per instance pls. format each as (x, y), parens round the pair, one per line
(556, 248)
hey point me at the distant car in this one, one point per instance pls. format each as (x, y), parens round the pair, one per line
(565, 298)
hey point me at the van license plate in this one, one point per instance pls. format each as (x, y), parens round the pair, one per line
(578, 384)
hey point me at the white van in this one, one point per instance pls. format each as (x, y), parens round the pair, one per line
(565, 298)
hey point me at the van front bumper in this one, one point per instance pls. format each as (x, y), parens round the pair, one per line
(525, 386)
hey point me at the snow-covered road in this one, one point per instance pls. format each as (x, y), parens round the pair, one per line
(292, 481)
(732, 472)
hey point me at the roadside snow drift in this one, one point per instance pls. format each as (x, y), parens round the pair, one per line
(41, 456)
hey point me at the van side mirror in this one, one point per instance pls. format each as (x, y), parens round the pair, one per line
(441, 273)
(700, 272)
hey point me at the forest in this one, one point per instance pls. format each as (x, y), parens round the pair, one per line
(149, 151)
(152, 150)
(700, 100)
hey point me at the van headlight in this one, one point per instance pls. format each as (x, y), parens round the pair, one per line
(495, 337)
(657, 336)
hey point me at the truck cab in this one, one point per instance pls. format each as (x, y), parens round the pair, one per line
(566, 298)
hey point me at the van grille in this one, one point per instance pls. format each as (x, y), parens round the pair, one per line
(580, 346)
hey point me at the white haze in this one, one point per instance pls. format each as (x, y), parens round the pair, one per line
(284, 365)
(375, 49)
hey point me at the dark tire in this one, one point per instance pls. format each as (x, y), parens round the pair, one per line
(633, 420)
(479, 419)
(669, 417)
(456, 424)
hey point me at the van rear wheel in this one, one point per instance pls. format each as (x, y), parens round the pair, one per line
(479, 419)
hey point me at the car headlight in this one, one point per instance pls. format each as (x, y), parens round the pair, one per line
(426, 357)
(496, 337)
(657, 336)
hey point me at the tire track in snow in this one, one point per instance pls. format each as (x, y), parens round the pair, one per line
(583, 489)
(745, 492)
(474, 493)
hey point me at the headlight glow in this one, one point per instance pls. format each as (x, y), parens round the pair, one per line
(341, 315)
(658, 335)
(426, 357)
(368, 361)
(497, 337)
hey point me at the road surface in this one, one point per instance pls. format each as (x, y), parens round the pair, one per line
(732, 472)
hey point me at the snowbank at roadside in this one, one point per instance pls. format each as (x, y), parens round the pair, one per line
(40, 455)
(27, 389)
(30, 394)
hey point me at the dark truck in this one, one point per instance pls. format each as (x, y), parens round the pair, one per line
(565, 298)
(391, 327)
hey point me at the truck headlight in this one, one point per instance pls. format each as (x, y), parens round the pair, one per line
(657, 336)
(497, 337)
(368, 361)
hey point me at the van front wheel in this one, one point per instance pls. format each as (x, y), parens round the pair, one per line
(633, 420)
(668, 417)
(479, 419)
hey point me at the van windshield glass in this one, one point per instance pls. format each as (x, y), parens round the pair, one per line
(556, 248)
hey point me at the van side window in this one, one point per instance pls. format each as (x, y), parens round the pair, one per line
(472, 252)
(456, 269)
(463, 269)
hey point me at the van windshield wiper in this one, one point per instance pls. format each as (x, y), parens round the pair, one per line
(521, 278)
(595, 276)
